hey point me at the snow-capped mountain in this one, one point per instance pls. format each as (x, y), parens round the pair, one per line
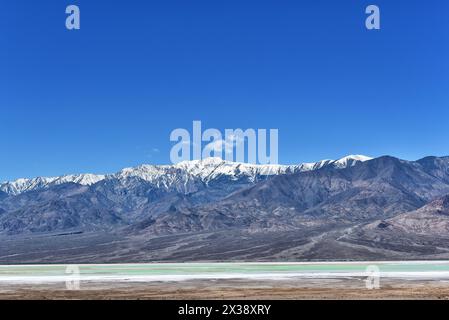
(385, 208)
(166, 176)
(350, 161)
(206, 170)
(342, 163)
(210, 169)
(23, 185)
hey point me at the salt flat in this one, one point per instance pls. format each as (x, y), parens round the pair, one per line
(155, 272)
(327, 280)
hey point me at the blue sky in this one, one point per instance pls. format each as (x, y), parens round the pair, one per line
(107, 96)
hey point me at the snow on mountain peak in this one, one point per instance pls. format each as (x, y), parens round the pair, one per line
(83, 179)
(357, 157)
(351, 160)
(182, 173)
(23, 185)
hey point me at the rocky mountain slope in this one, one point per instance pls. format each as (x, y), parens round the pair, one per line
(354, 208)
(431, 219)
(87, 202)
(179, 175)
(377, 189)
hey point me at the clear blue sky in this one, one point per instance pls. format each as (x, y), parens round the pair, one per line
(107, 96)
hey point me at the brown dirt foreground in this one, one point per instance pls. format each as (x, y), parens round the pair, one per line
(352, 289)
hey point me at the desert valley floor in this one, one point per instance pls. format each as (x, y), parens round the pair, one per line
(397, 280)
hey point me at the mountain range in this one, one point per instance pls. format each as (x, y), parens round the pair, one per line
(168, 175)
(353, 208)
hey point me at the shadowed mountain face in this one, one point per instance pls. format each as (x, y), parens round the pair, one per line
(418, 234)
(376, 189)
(132, 195)
(63, 207)
(432, 220)
(381, 208)
(437, 167)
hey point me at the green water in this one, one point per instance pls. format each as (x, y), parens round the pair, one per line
(219, 268)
